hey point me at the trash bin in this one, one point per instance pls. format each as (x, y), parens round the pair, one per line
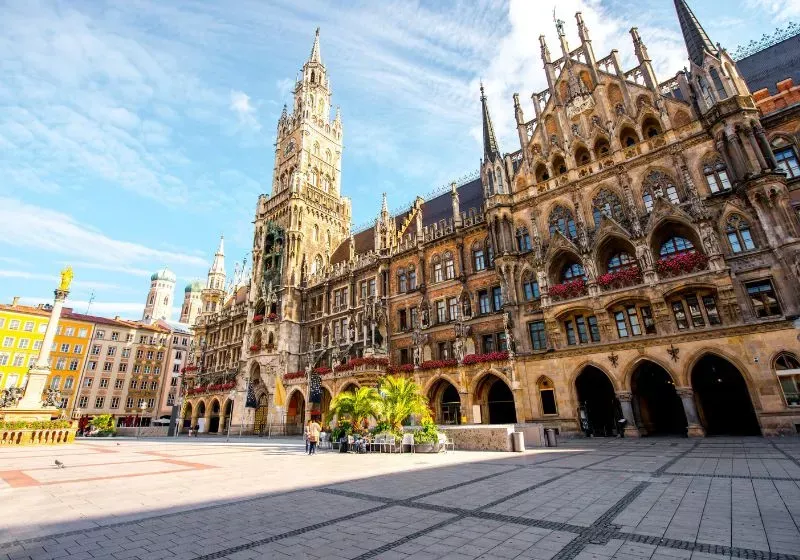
(517, 441)
(550, 435)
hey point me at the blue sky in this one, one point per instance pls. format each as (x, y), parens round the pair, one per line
(132, 134)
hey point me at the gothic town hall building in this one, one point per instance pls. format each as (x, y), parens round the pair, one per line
(634, 265)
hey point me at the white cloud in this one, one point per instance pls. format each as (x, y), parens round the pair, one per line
(88, 284)
(240, 104)
(33, 227)
(125, 310)
(779, 10)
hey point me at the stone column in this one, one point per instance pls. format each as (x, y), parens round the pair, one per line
(625, 398)
(751, 138)
(732, 169)
(687, 400)
(766, 150)
(740, 160)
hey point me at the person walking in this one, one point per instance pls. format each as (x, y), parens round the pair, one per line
(313, 437)
(305, 433)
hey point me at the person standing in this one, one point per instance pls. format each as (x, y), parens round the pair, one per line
(305, 433)
(313, 437)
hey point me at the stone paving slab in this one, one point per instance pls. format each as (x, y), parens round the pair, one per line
(663, 499)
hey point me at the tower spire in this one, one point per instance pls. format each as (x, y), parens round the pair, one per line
(490, 151)
(695, 37)
(315, 50)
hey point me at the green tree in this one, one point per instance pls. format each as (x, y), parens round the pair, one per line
(357, 406)
(104, 423)
(401, 398)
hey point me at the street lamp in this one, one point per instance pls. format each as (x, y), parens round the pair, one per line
(142, 407)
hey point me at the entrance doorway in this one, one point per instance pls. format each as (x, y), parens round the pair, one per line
(295, 414)
(445, 402)
(261, 415)
(724, 404)
(598, 406)
(227, 415)
(213, 424)
(656, 403)
(497, 401)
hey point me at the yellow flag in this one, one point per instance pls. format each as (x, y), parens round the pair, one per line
(280, 392)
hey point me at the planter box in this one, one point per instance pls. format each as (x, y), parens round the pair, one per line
(425, 448)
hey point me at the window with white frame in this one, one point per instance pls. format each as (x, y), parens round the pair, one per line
(787, 368)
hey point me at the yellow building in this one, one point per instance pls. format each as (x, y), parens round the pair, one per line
(68, 355)
(21, 333)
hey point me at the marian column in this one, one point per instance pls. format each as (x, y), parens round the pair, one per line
(32, 400)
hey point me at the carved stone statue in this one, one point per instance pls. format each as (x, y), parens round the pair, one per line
(508, 333)
(66, 279)
(10, 397)
(541, 278)
(51, 397)
(644, 256)
(459, 349)
(710, 241)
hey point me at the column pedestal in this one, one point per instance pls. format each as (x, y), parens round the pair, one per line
(625, 398)
(694, 429)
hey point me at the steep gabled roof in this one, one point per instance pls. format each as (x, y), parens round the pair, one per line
(695, 37)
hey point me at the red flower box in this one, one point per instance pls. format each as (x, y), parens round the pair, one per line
(683, 263)
(436, 364)
(294, 375)
(483, 358)
(258, 318)
(627, 276)
(568, 290)
(272, 317)
(402, 368)
(255, 347)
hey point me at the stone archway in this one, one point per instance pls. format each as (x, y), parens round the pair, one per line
(496, 401)
(187, 416)
(200, 412)
(295, 414)
(598, 407)
(214, 417)
(656, 403)
(227, 415)
(724, 404)
(445, 402)
(325, 403)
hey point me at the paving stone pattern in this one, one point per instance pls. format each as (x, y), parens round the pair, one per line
(660, 499)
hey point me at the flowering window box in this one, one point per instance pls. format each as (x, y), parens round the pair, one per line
(683, 263)
(258, 318)
(255, 347)
(624, 277)
(272, 317)
(438, 364)
(483, 358)
(568, 290)
(294, 375)
(402, 368)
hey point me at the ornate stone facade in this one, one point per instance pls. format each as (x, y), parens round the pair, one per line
(634, 264)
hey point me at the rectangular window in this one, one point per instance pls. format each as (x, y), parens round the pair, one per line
(404, 356)
(483, 302)
(160, 356)
(70, 331)
(37, 344)
(129, 402)
(68, 382)
(449, 269)
(594, 330)
(82, 333)
(548, 401)
(73, 365)
(402, 323)
(95, 349)
(123, 368)
(2, 322)
(100, 334)
(437, 272)
(173, 382)
(23, 343)
(371, 285)
(401, 282)
(8, 342)
(647, 319)
(444, 350)
(477, 257)
(137, 368)
(19, 360)
(412, 279)
(114, 335)
(787, 162)
(126, 352)
(133, 384)
(452, 308)
(633, 319)
(622, 326)
(99, 401)
(711, 310)
(88, 382)
(497, 298)
(92, 365)
(502, 343)
(83, 401)
(363, 290)
(583, 335)
(77, 349)
(153, 385)
(176, 368)
(119, 383)
(531, 290)
(111, 351)
(4, 360)
(487, 343)
(61, 363)
(441, 312)
(104, 382)
(414, 318)
(695, 312)
(570, 329)
(28, 326)
(150, 354)
(13, 325)
(680, 315)
(170, 399)
(147, 369)
(763, 298)
(64, 347)
(114, 402)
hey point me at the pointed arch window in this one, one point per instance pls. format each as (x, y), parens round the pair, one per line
(676, 245)
(561, 220)
(658, 184)
(478, 257)
(619, 261)
(530, 288)
(786, 156)
(737, 230)
(316, 265)
(715, 77)
(523, 239)
(572, 271)
(547, 393)
(438, 271)
(607, 203)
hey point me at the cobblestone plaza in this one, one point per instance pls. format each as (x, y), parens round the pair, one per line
(587, 499)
